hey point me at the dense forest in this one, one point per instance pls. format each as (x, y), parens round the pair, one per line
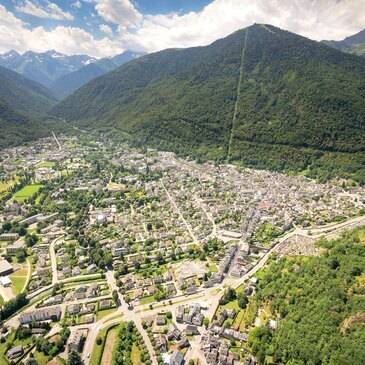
(262, 97)
(320, 304)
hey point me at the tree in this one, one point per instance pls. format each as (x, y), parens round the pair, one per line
(115, 296)
(74, 358)
(206, 322)
(99, 341)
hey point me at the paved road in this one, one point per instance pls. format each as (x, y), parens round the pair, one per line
(54, 260)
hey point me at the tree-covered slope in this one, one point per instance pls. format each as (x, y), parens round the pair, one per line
(261, 96)
(354, 44)
(16, 128)
(24, 95)
(320, 305)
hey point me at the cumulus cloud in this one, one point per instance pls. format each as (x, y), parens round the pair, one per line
(69, 40)
(316, 19)
(51, 11)
(106, 29)
(121, 12)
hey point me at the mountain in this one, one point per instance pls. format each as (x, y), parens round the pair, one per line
(354, 44)
(17, 128)
(68, 83)
(263, 97)
(24, 95)
(44, 67)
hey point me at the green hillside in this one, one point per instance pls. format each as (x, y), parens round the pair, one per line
(262, 96)
(24, 95)
(354, 44)
(17, 128)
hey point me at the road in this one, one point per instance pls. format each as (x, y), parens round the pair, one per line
(177, 209)
(54, 260)
(210, 296)
(57, 141)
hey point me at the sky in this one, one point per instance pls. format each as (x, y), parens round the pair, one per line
(103, 28)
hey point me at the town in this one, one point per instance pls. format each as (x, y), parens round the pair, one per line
(96, 235)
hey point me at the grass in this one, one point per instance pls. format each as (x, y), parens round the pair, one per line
(18, 283)
(27, 192)
(97, 352)
(46, 164)
(41, 358)
(103, 313)
(147, 300)
(136, 354)
(2, 301)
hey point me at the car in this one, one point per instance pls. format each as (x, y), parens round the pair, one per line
(88, 354)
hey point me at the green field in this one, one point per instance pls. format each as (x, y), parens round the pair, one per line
(103, 313)
(27, 192)
(46, 164)
(18, 283)
(147, 300)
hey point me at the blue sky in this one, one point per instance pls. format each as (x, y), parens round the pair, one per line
(107, 27)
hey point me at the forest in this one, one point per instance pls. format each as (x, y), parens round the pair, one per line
(320, 305)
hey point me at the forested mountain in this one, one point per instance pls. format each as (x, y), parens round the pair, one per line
(17, 128)
(68, 83)
(24, 95)
(354, 44)
(262, 96)
(43, 67)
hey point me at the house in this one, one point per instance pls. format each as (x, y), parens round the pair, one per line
(179, 313)
(73, 309)
(191, 290)
(5, 268)
(152, 289)
(5, 281)
(191, 330)
(161, 342)
(91, 268)
(177, 358)
(15, 352)
(138, 293)
(76, 341)
(104, 304)
(160, 320)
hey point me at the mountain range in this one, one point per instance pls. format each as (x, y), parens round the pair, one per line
(354, 44)
(262, 97)
(61, 73)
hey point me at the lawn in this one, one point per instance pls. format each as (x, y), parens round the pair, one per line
(147, 300)
(18, 283)
(98, 350)
(103, 313)
(136, 355)
(27, 192)
(41, 358)
(46, 164)
(1, 301)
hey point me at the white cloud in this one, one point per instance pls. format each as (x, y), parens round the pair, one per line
(77, 5)
(106, 29)
(121, 12)
(316, 19)
(51, 11)
(68, 40)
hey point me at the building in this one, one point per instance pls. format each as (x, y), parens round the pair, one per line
(76, 341)
(15, 352)
(9, 237)
(5, 268)
(44, 314)
(5, 281)
(177, 358)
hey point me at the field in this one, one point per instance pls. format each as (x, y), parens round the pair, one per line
(97, 353)
(46, 164)
(103, 313)
(27, 192)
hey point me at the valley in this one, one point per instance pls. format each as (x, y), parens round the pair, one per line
(178, 248)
